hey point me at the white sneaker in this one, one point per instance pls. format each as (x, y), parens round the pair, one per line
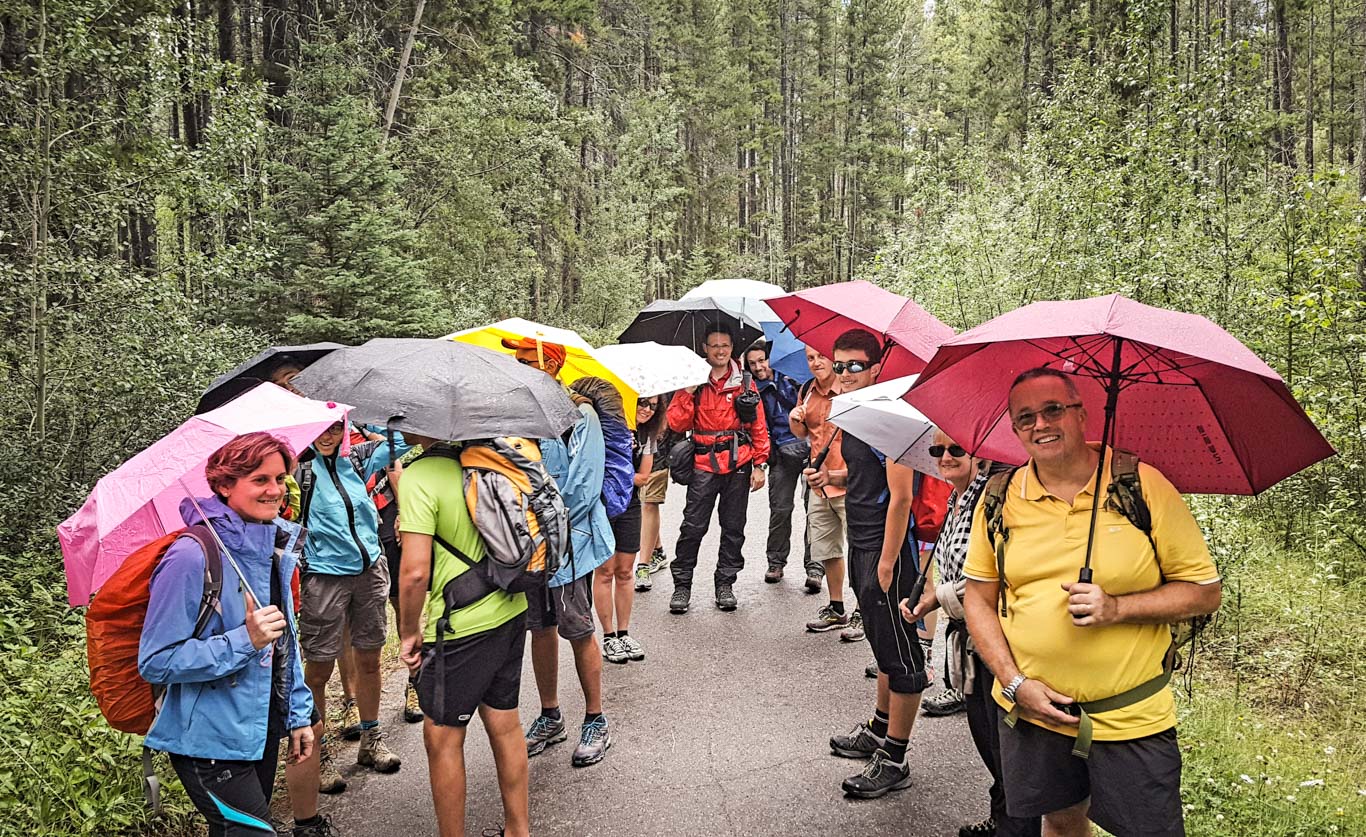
(633, 649)
(614, 651)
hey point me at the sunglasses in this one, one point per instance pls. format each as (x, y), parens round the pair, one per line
(954, 450)
(852, 366)
(1051, 413)
(526, 362)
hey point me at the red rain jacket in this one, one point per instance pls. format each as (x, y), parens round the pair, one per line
(714, 421)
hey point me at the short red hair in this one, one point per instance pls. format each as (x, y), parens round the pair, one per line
(242, 456)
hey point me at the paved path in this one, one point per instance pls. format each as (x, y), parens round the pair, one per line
(722, 730)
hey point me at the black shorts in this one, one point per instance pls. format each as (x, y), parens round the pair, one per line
(485, 669)
(393, 553)
(626, 527)
(895, 644)
(1134, 786)
(233, 796)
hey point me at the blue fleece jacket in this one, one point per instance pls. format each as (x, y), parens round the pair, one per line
(217, 684)
(779, 395)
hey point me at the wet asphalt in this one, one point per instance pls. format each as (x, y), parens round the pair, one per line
(721, 730)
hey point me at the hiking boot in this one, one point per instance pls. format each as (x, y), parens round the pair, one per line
(412, 710)
(321, 828)
(634, 650)
(658, 560)
(946, 702)
(594, 742)
(878, 778)
(375, 754)
(350, 728)
(643, 581)
(543, 732)
(984, 828)
(871, 671)
(613, 651)
(774, 575)
(827, 620)
(678, 602)
(858, 743)
(853, 633)
(329, 780)
(813, 583)
(725, 597)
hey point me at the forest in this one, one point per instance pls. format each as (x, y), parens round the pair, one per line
(183, 182)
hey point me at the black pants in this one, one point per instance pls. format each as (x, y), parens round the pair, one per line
(234, 796)
(703, 492)
(981, 711)
(784, 467)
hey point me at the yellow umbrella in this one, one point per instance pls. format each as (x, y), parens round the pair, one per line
(580, 360)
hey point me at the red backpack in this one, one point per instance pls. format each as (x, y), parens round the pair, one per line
(113, 629)
(929, 507)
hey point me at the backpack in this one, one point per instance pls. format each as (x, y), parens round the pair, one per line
(519, 513)
(619, 470)
(113, 632)
(929, 506)
(1124, 495)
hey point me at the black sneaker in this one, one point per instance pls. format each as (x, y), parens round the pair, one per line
(678, 602)
(725, 597)
(859, 743)
(879, 778)
(985, 828)
(871, 671)
(321, 828)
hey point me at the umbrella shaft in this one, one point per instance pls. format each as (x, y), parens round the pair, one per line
(1111, 407)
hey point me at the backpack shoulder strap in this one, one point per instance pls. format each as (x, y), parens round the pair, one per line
(306, 479)
(213, 575)
(1125, 493)
(993, 510)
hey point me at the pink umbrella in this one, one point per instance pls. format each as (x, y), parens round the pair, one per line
(818, 316)
(140, 500)
(1179, 391)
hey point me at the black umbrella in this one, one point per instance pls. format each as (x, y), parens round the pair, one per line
(229, 385)
(685, 323)
(442, 389)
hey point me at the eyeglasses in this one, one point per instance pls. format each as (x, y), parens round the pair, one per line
(1051, 413)
(718, 345)
(334, 427)
(955, 451)
(526, 362)
(853, 366)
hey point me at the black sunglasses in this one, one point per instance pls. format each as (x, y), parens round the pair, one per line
(954, 450)
(853, 366)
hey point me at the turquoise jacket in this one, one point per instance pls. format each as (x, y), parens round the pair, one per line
(217, 684)
(578, 468)
(342, 523)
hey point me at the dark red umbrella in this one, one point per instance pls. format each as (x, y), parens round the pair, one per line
(818, 316)
(1178, 390)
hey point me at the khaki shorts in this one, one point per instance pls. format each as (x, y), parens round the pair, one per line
(331, 602)
(825, 527)
(655, 487)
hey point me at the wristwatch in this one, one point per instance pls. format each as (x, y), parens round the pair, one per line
(762, 466)
(1009, 691)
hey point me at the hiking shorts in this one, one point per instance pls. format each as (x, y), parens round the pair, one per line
(825, 526)
(569, 608)
(485, 668)
(626, 528)
(655, 487)
(331, 602)
(896, 648)
(1134, 786)
(393, 557)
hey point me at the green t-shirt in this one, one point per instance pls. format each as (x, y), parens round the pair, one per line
(431, 500)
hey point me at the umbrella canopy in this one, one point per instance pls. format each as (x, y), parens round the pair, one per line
(1189, 398)
(685, 323)
(442, 389)
(786, 354)
(580, 359)
(652, 369)
(228, 386)
(140, 500)
(818, 316)
(880, 416)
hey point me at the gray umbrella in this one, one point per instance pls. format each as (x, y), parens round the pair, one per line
(441, 389)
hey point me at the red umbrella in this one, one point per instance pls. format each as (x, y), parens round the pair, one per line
(1179, 391)
(818, 316)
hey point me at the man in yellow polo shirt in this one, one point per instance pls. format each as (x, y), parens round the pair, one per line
(475, 664)
(1062, 642)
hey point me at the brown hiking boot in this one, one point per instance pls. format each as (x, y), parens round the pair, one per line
(350, 728)
(375, 754)
(412, 711)
(329, 780)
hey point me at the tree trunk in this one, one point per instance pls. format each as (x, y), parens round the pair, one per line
(396, 91)
(1285, 103)
(226, 40)
(1309, 95)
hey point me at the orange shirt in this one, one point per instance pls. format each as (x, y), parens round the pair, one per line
(819, 431)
